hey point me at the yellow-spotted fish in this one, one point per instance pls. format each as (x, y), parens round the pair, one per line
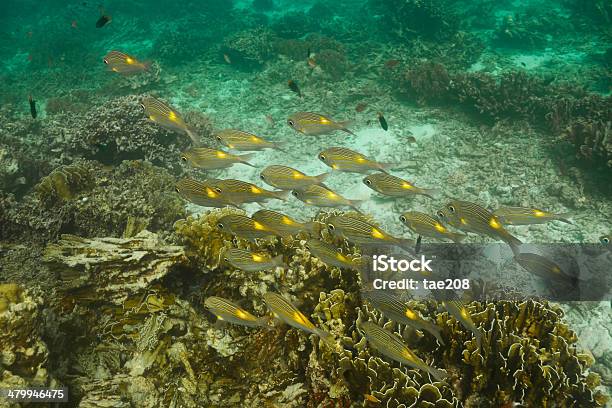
(251, 261)
(321, 196)
(288, 178)
(527, 216)
(343, 159)
(471, 217)
(329, 255)
(543, 267)
(244, 141)
(228, 311)
(427, 226)
(167, 117)
(392, 186)
(210, 159)
(289, 314)
(201, 193)
(459, 311)
(282, 224)
(243, 227)
(391, 306)
(392, 346)
(310, 123)
(239, 192)
(125, 64)
(361, 232)
(605, 240)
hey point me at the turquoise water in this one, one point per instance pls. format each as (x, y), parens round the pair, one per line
(497, 103)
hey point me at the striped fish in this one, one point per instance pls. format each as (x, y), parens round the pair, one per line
(243, 227)
(288, 178)
(230, 312)
(459, 311)
(320, 196)
(343, 159)
(210, 159)
(363, 233)
(391, 306)
(125, 64)
(392, 186)
(201, 193)
(167, 117)
(543, 267)
(471, 217)
(392, 346)
(310, 123)
(329, 255)
(428, 226)
(251, 261)
(527, 216)
(289, 314)
(241, 140)
(240, 192)
(282, 224)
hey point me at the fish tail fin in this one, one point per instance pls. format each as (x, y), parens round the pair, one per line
(343, 126)
(513, 241)
(437, 373)
(278, 260)
(564, 218)
(354, 204)
(281, 195)
(327, 337)
(146, 65)
(385, 167)
(191, 132)
(244, 159)
(436, 332)
(432, 193)
(312, 228)
(280, 146)
(322, 177)
(457, 237)
(406, 243)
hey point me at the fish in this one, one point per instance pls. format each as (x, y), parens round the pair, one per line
(361, 107)
(282, 224)
(471, 217)
(104, 19)
(459, 311)
(347, 160)
(393, 186)
(288, 178)
(228, 311)
(382, 121)
(330, 256)
(392, 63)
(527, 216)
(227, 58)
(294, 87)
(250, 261)
(125, 64)
(210, 159)
(269, 120)
(167, 117)
(314, 124)
(543, 267)
(74, 24)
(201, 193)
(241, 140)
(321, 196)
(605, 240)
(33, 111)
(428, 226)
(391, 306)
(410, 139)
(239, 192)
(391, 345)
(289, 314)
(312, 63)
(243, 227)
(361, 232)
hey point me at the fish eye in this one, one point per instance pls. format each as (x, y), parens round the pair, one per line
(402, 218)
(105, 61)
(226, 260)
(331, 227)
(605, 240)
(218, 190)
(295, 193)
(368, 182)
(219, 138)
(261, 176)
(177, 189)
(142, 106)
(184, 158)
(220, 225)
(291, 123)
(440, 214)
(451, 208)
(322, 157)
(307, 247)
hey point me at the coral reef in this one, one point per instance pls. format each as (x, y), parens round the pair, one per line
(333, 63)
(294, 25)
(249, 49)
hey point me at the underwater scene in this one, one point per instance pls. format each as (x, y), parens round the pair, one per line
(317, 204)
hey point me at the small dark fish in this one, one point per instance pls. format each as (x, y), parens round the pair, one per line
(103, 20)
(417, 246)
(294, 87)
(308, 53)
(361, 107)
(392, 63)
(382, 121)
(33, 111)
(410, 139)
(523, 64)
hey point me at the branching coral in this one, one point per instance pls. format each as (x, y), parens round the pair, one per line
(250, 49)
